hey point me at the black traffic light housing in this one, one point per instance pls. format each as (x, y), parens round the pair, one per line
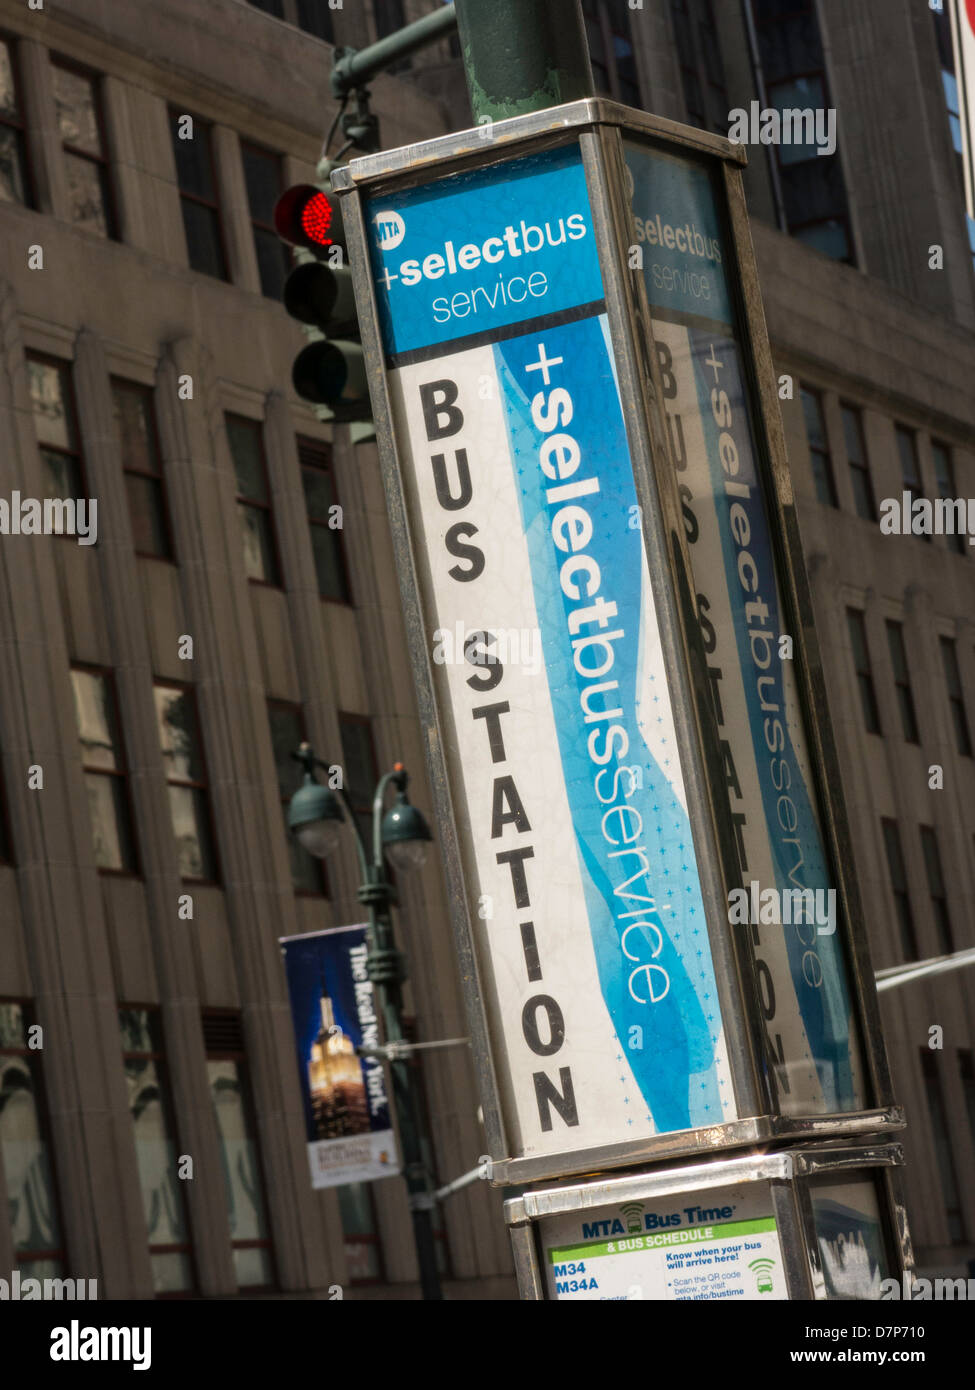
(330, 371)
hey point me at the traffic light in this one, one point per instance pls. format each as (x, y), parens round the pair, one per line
(331, 370)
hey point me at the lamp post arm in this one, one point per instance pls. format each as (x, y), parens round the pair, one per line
(377, 817)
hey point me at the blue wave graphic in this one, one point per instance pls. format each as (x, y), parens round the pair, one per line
(643, 893)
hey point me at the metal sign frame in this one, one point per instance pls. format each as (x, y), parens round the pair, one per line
(787, 1174)
(598, 127)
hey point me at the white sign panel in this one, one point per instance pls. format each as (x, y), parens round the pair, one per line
(549, 676)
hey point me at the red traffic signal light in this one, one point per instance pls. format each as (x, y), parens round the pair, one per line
(308, 216)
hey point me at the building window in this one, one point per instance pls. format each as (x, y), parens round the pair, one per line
(944, 473)
(253, 499)
(15, 179)
(794, 70)
(186, 776)
(900, 890)
(315, 17)
(233, 1109)
(262, 174)
(322, 505)
(942, 1144)
(902, 680)
(78, 104)
(611, 51)
(701, 68)
(864, 673)
(956, 700)
(287, 732)
(936, 889)
(856, 455)
(156, 1148)
(275, 7)
(56, 426)
(910, 468)
(103, 760)
(822, 467)
(135, 424)
(198, 196)
(359, 767)
(363, 1248)
(32, 1199)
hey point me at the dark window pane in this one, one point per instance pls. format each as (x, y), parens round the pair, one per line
(87, 199)
(942, 1145)
(274, 7)
(902, 681)
(245, 1202)
(50, 397)
(262, 175)
(156, 1156)
(945, 474)
(31, 1197)
(202, 226)
(829, 237)
(319, 492)
(286, 734)
(273, 262)
(255, 530)
(178, 735)
(134, 421)
(13, 167)
(191, 827)
(244, 438)
(907, 451)
(861, 662)
(110, 828)
(194, 165)
(62, 475)
(97, 723)
(76, 104)
(359, 769)
(149, 534)
(315, 17)
(326, 546)
(898, 883)
(8, 84)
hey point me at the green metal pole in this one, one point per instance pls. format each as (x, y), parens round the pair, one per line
(386, 968)
(523, 55)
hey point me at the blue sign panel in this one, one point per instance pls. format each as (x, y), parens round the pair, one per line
(482, 250)
(786, 902)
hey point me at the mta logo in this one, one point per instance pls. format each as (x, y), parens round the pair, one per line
(390, 230)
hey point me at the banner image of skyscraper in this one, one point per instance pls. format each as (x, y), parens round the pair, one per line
(347, 1121)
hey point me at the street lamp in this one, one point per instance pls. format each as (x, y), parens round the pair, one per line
(315, 816)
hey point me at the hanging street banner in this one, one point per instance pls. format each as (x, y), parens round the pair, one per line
(806, 1003)
(547, 655)
(350, 1135)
